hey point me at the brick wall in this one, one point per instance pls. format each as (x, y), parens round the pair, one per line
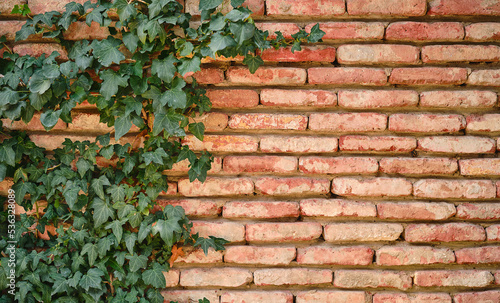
(362, 169)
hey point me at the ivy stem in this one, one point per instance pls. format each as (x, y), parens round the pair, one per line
(8, 48)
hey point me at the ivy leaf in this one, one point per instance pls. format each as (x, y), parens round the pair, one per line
(137, 262)
(166, 228)
(209, 4)
(144, 231)
(316, 34)
(91, 279)
(154, 276)
(91, 250)
(39, 83)
(189, 65)
(102, 212)
(205, 244)
(130, 40)
(8, 96)
(116, 227)
(242, 31)
(197, 129)
(83, 166)
(107, 52)
(51, 71)
(164, 68)
(7, 154)
(174, 99)
(3, 172)
(98, 185)
(124, 9)
(95, 15)
(156, 6)
(236, 3)
(129, 240)
(253, 62)
(79, 53)
(39, 100)
(49, 118)
(155, 157)
(103, 246)
(122, 126)
(220, 42)
(111, 81)
(168, 123)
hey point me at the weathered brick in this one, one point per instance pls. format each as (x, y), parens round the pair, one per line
(171, 277)
(231, 231)
(478, 211)
(197, 256)
(459, 53)
(487, 123)
(259, 255)
(213, 122)
(485, 77)
(332, 208)
(411, 298)
(267, 121)
(292, 186)
(347, 75)
(338, 165)
(216, 187)
(449, 232)
(497, 277)
(377, 54)
(89, 122)
(480, 167)
(292, 276)
(81, 31)
(6, 6)
(34, 124)
(377, 143)
(424, 31)
(371, 187)
(287, 29)
(372, 279)
(267, 75)
(256, 6)
(37, 49)
(411, 255)
(223, 143)
(363, 232)
(43, 6)
(283, 232)
(416, 210)
(183, 166)
(484, 31)
(493, 232)
(478, 255)
(293, 98)
(187, 296)
(195, 207)
(426, 123)
(348, 122)
(321, 8)
(428, 75)
(361, 99)
(454, 189)
(457, 145)
(350, 30)
(233, 98)
(298, 144)
(328, 255)
(207, 76)
(336, 296)
(261, 210)
(316, 53)
(418, 166)
(259, 164)
(257, 296)
(51, 142)
(456, 278)
(215, 277)
(463, 7)
(477, 297)
(10, 27)
(460, 99)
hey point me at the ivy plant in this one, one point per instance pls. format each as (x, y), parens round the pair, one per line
(93, 231)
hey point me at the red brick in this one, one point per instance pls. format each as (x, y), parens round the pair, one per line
(287, 29)
(361, 99)
(316, 53)
(487, 31)
(197, 256)
(411, 298)
(310, 8)
(187, 296)
(456, 278)
(460, 53)
(43, 6)
(411, 255)
(428, 75)
(377, 143)
(347, 75)
(298, 144)
(259, 164)
(457, 145)
(460, 99)
(478, 255)
(34, 124)
(363, 232)
(348, 122)
(231, 231)
(426, 123)
(333, 208)
(480, 167)
(292, 276)
(6, 6)
(416, 211)
(195, 207)
(371, 187)
(487, 123)
(388, 8)
(478, 211)
(283, 232)
(233, 98)
(213, 121)
(37, 49)
(423, 31)
(215, 277)
(10, 27)
(89, 122)
(216, 187)
(485, 77)
(256, 6)
(81, 31)
(183, 166)
(454, 189)
(268, 121)
(292, 186)
(259, 255)
(372, 279)
(477, 297)
(336, 296)
(377, 54)
(261, 210)
(257, 296)
(207, 76)
(493, 232)
(350, 30)
(338, 165)
(267, 75)
(327, 255)
(463, 7)
(223, 143)
(295, 98)
(418, 166)
(449, 232)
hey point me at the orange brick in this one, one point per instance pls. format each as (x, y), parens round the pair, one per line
(351, 30)
(233, 98)
(257, 296)
(488, 123)
(485, 77)
(426, 123)
(372, 279)
(215, 277)
(463, 7)
(283, 232)
(43, 6)
(428, 75)
(292, 98)
(487, 31)
(231, 231)
(433, 211)
(362, 232)
(327, 255)
(362, 99)
(186, 296)
(10, 27)
(195, 207)
(313, 296)
(223, 143)
(216, 187)
(256, 6)
(453, 278)
(267, 76)
(336, 208)
(347, 122)
(479, 167)
(321, 8)
(493, 232)
(371, 187)
(475, 297)
(197, 256)
(478, 255)
(338, 165)
(460, 53)
(347, 75)
(460, 99)
(478, 211)
(423, 31)
(37, 49)
(292, 276)
(261, 210)
(457, 145)
(412, 297)
(259, 164)
(267, 121)
(259, 255)
(287, 29)
(411, 255)
(317, 53)
(377, 143)
(377, 54)
(81, 31)
(454, 189)
(449, 232)
(292, 186)
(34, 124)
(418, 166)
(298, 144)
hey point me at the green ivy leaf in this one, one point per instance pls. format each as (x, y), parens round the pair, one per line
(174, 99)
(253, 62)
(209, 4)
(122, 126)
(205, 244)
(166, 228)
(124, 9)
(92, 279)
(91, 251)
(164, 68)
(220, 42)
(156, 6)
(316, 34)
(236, 3)
(144, 231)
(102, 212)
(111, 81)
(107, 52)
(189, 65)
(137, 262)
(129, 240)
(154, 276)
(197, 129)
(98, 185)
(39, 83)
(116, 227)
(242, 31)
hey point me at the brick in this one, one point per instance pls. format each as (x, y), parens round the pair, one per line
(259, 255)
(231, 231)
(327, 255)
(267, 75)
(222, 143)
(187, 296)
(43, 6)
(283, 232)
(292, 186)
(259, 164)
(485, 77)
(256, 6)
(449, 232)
(298, 144)
(347, 122)
(361, 99)
(51, 142)
(418, 166)
(363, 232)
(172, 277)
(459, 99)
(456, 278)
(88, 122)
(377, 143)
(477, 297)
(350, 30)
(478, 211)
(371, 187)
(411, 255)
(321, 8)
(424, 31)
(426, 123)
(336, 296)
(416, 210)
(10, 27)
(377, 54)
(411, 298)
(267, 121)
(497, 277)
(463, 7)
(215, 277)
(287, 29)
(233, 98)
(483, 31)
(334, 208)
(295, 98)
(81, 31)
(428, 75)
(316, 53)
(34, 124)
(460, 53)
(6, 6)
(292, 276)
(197, 256)
(454, 189)
(183, 166)
(372, 279)
(487, 123)
(338, 165)
(37, 49)
(457, 145)
(347, 75)
(213, 122)
(478, 255)
(207, 76)
(493, 232)
(261, 210)
(480, 167)
(195, 207)
(216, 187)
(257, 296)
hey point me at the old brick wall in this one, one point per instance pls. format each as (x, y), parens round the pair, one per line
(361, 169)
